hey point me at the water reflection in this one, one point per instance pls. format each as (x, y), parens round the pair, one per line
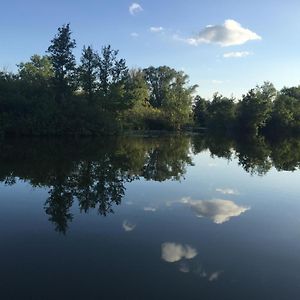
(172, 252)
(93, 174)
(218, 210)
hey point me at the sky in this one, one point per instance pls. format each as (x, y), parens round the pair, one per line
(224, 46)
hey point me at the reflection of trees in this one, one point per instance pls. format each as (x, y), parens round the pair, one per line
(167, 160)
(255, 154)
(286, 155)
(92, 172)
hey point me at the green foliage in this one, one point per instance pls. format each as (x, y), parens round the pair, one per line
(169, 92)
(286, 110)
(221, 113)
(63, 61)
(37, 71)
(89, 71)
(50, 95)
(255, 108)
(200, 113)
(112, 77)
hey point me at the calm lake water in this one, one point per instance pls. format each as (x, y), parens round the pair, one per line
(173, 217)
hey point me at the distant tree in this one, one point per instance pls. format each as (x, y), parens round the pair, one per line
(200, 111)
(170, 92)
(63, 60)
(38, 69)
(255, 108)
(89, 71)
(159, 81)
(221, 113)
(112, 77)
(286, 110)
(139, 113)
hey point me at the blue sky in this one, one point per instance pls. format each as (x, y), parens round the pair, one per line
(261, 40)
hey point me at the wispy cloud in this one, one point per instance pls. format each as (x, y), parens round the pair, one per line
(156, 29)
(127, 226)
(134, 34)
(215, 276)
(215, 81)
(151, 209)
(236, 54)
(230, 33)
(227, 191)
(135, 8)
(172, 252)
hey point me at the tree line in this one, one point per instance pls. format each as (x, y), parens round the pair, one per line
(53, 95)
(263, 110)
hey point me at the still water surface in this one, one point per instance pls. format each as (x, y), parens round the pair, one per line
(149, 218)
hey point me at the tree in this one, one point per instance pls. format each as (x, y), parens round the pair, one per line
(221, 113)
(63, 60)
(159, 80)
(38, 69)
(170, 92)
(112, 76)
(286, 110)
(255, 108)
(200, 111)
(89, 71)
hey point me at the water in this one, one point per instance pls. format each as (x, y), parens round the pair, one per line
(150, 218)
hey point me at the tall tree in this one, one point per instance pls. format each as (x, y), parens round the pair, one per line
(170, 92)
(112, 74)
(63, 60)
(200, 111)
(88, 71)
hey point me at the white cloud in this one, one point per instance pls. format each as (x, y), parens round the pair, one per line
(156, 29)
(134, 34)
(215, 276)
(218, 210)
(135, 8)
(127, 226)
(152, 209)
(231, 33)
(171, 252)
(227, 191)
(236, 54)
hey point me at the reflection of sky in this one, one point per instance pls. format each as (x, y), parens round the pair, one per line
(172, 252)
(218, 210)
(263, 241)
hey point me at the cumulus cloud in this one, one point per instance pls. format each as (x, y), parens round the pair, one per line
(156, 29)
(172, 252)
(236, 54)
(127, 226)
(135, 8)
(218, 210)
(227, 191)
(230, 33)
